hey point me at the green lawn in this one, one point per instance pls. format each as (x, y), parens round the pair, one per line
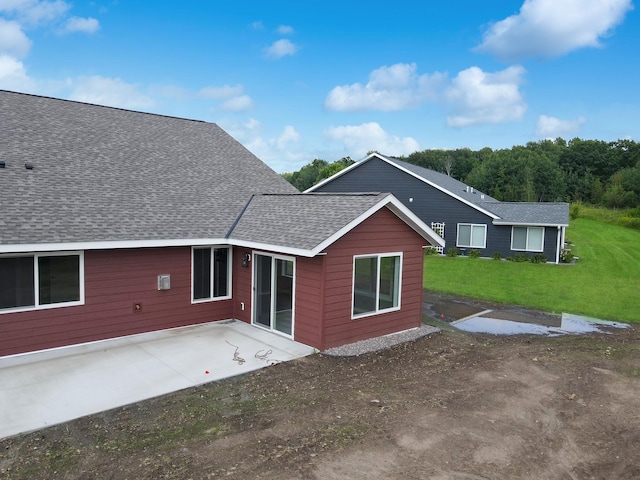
(604, 283)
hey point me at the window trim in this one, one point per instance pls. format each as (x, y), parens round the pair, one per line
(377, 311)
(211, 298)
(472, 225)
(526, 248)
(36, 282)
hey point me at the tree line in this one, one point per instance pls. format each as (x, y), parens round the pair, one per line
(588, 171)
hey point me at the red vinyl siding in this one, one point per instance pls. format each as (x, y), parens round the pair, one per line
(116, 280)
(242, 283)
(309, 293)
(383, 232)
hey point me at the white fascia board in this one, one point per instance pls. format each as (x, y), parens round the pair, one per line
(338, 174)
(438, 187)
(529, 224)
(398, 209)
(298, 252)
(109, 245)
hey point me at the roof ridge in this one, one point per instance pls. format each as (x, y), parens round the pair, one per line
(46, 97)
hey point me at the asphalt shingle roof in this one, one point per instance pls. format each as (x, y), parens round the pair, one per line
(529, 213)
(107, 174)
(302, 220)
(450, 184)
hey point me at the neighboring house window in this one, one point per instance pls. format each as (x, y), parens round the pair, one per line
(42, 280)
(211, 273)
(376, 283)
(530, 239)
(438, 227)
(471, 235)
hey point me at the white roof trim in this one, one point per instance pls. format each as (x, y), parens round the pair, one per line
(389, 201)
(397, 208)
(415, 175)
(108, 245)
(528, 224)
(336, 175)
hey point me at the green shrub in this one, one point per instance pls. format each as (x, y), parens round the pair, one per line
(520, 258)
(630, 222)
(574, 210)
(496, 256)
(452, 252)
(538, 258)
(634, 212)
(566, 256)
(431, 251)
(474, 253)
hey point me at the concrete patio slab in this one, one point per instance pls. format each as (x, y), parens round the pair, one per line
(45, 388)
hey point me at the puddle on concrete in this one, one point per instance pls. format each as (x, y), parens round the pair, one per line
(569, 325)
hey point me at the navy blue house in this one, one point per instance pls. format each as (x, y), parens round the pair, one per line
(464, 217)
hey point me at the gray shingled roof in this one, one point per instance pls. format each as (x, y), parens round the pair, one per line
(509, 213)
(107, 174)
(302, 220)
(450, 184)
(525, 213)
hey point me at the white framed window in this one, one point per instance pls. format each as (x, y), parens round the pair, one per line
(471, 235)
(210, 274)
(528, 239)
(41, 280)
(376, 283)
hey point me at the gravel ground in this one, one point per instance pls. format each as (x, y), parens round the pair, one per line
(380, 343)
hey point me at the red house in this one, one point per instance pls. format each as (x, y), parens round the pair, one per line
(117, 222)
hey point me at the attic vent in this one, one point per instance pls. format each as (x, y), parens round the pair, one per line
(2, 164)
(28, 166)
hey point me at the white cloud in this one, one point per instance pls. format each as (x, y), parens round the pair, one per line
(281, 48)
(360, 139)
(476, 97)
(288, 136)
(221, 93)
(112, 92)
(234, 98)
(550, 28)
(35, 12)
(551, 127)
(285, 30)
(77, 24)
(13, 41)
(241, 103)
(257, 25)
(13, 76)
(390, 88)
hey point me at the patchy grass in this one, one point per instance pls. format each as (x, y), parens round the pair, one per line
(604, 283)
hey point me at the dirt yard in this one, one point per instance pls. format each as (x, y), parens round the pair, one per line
(448, 406)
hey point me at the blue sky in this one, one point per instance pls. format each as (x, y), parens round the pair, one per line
(295, 81)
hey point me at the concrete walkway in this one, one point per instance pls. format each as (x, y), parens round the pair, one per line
(45, 388)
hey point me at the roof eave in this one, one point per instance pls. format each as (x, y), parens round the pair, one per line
(529, 224)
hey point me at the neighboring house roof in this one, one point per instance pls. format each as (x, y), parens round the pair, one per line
(105, 177)
(502, 213)
(305, 224)
(527, 213)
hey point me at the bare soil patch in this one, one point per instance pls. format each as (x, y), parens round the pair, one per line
(451, 405)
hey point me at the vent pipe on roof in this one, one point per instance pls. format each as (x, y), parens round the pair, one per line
(28, 166)
(2, 164)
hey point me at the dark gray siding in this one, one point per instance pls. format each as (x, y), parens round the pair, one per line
(431, 205)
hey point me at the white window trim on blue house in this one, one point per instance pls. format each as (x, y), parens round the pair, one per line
(528, 247)
(477, 236)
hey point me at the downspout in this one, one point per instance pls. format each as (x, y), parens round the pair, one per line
(559, 243)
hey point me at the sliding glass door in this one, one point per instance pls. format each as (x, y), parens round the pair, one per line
(273, 292)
